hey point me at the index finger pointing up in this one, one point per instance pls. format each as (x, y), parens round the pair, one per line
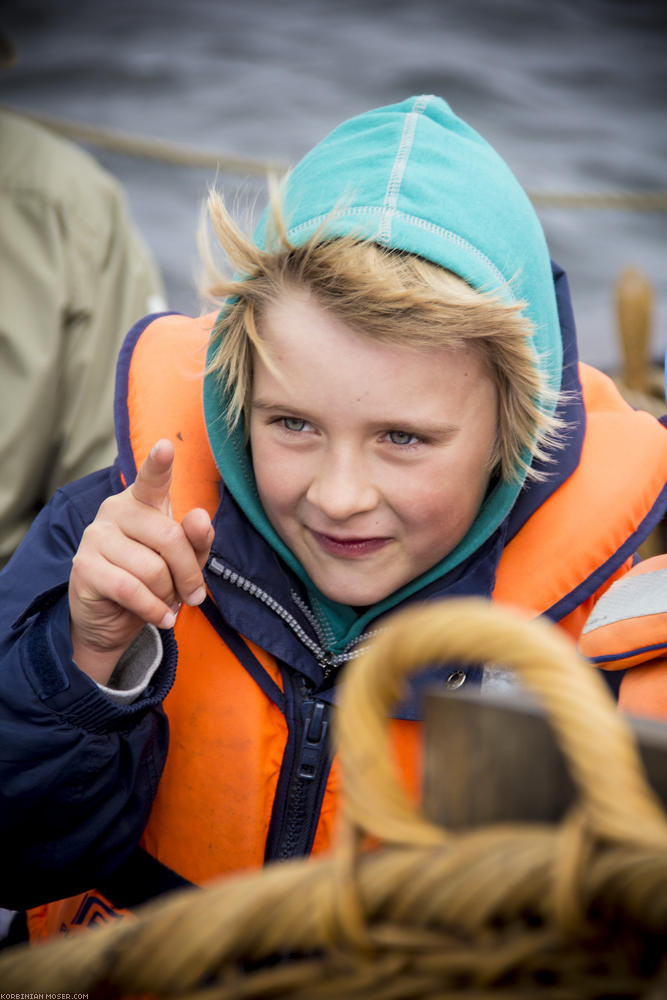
(153, 481)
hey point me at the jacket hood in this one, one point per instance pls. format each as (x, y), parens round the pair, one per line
(414, 177)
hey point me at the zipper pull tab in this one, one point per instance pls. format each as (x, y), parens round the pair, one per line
(315, 718)
(328, 664)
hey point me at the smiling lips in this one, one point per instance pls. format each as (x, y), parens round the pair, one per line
(349, 548)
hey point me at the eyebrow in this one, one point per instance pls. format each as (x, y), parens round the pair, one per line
(426, 429)
(269, 404)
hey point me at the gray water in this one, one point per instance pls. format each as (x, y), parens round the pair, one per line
(573, 93)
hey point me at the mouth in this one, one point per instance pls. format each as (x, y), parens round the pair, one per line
(349, 547)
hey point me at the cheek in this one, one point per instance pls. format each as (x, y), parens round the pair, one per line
(443, 517)
(444, 502)
(264, 467)
(276, 477)
(425, 504)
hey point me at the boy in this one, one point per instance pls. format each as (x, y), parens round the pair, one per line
(391, 412)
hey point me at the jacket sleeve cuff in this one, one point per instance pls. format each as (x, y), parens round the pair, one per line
(46, 656)
(135, 669)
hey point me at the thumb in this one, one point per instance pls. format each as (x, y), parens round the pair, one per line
(151, 487)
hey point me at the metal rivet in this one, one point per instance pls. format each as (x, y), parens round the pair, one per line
(456, 679)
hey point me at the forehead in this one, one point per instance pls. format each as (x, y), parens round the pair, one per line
(296, 317)
(312, 355)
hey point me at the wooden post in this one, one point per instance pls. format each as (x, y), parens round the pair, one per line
(491, 759)
(640, 381)
(634, 307)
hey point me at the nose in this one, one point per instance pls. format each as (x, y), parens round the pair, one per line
(341, 487)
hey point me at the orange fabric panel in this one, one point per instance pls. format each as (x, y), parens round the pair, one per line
(621, 637)
(168, 403)
(227, 740)
(214, 803)
(568, 554)
(327, 826)
(575, 621)
(644, 690)
(649, 566)
(408, 745)
(407, 741)
(88, 909)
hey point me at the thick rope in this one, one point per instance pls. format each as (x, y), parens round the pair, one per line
(478, 914)
(617, 802)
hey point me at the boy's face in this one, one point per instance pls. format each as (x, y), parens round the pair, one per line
(371, 459)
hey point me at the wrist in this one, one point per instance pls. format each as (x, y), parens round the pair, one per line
(136, 668)
(98, 662)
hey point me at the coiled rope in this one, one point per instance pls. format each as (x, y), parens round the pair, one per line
(178, 154)
(573, 910)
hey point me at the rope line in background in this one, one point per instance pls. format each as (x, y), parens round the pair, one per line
(178, 154)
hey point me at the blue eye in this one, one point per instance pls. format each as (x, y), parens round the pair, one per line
(401, 437)
(293, 423)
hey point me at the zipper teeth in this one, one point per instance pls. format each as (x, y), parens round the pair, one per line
(351, 651)
(323, 633)
(292, 833)
(242, 582)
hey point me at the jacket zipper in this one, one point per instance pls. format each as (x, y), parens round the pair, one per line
(305, 769)
(328, 661)
(301, 785)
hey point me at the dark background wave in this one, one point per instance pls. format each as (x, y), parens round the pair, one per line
(573, 93)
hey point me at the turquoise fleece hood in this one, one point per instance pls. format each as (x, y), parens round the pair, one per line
(414, 177)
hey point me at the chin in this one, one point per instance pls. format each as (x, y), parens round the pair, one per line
(355, 597)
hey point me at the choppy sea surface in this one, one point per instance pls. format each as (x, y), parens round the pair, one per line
(573, 94)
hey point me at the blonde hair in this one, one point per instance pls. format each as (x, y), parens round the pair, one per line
(386, 295)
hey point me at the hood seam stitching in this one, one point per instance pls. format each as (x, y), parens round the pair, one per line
(398, 169)
(446, 234)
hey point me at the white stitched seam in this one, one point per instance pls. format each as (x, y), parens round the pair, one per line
(432, 227)
(398, 169)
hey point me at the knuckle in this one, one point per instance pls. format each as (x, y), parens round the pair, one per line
(98, 529)
(192, 583)
(173, 534)
(82, 564)
(158, 580)
(128, 590)
(109, 505)
(153, 569)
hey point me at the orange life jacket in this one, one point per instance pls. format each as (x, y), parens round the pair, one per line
(227, 738)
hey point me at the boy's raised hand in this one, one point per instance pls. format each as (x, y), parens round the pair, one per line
(135, 564)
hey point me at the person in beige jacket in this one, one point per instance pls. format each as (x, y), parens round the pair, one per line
(75, 274)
